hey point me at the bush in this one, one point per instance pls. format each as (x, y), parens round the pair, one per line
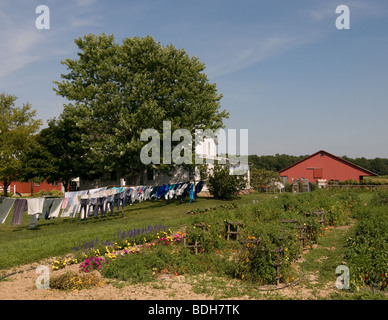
(223, 185)
(367, 250)
(71, 281)
(53, 193)
(261, 178)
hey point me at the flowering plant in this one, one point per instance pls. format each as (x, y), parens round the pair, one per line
(59, 264)
(178, 237)
(92, 263)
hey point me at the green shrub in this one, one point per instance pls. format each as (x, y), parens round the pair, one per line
(367, 250)
(223, 185)
(70, 281)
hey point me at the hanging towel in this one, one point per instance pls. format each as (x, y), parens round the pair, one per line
(68, 211)
(18, 209)
(35, 205)
(64, 203)
(55, 208)
(46, 209)
(44, 214)
(35, 208)
(5, 208)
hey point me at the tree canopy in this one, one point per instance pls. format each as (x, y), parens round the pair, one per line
(54, 156)
(17, 129)
(115, 91)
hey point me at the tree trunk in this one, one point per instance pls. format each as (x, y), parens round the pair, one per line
(65, 185)
(6, 184)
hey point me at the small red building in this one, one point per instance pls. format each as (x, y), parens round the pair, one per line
(324, 166)
(28, 188)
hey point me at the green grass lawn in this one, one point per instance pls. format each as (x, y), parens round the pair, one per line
(56, 237)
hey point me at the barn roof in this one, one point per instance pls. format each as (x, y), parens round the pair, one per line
(333, 156)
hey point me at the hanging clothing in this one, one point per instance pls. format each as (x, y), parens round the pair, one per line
(119, 199)
(162, 191)
(35, 205)
(179, 191)
(191, 193)
(19, 207)
(185, 191)
(153, 192)
(46, 209)
(99, 207)
(64, 203)
(84, 202)
(68, 211)
(147, 193)
(109, 204)
(37, 208)
(171, 192)
(5, 208)
(198, 189)
(92, 203)
(55, 208)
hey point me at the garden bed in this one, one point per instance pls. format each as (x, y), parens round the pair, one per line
(265, 261)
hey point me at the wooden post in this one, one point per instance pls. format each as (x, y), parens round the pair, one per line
(278, 263)
(195, 245)
(302, 236)
(230, 232)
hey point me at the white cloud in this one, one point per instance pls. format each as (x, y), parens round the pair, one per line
(19, 44)
(22, 43)
(239, 53)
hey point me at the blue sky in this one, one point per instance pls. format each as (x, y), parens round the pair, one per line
(287, 74)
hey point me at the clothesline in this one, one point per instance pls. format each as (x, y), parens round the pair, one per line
(93, 201)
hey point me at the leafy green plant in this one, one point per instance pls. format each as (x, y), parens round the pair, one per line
(70, 281)
(223, 185)
(367, 250)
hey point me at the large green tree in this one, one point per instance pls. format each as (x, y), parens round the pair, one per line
(55, 155)
(17, 129)
(115, 91)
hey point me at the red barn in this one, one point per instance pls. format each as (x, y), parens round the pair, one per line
(324, 166)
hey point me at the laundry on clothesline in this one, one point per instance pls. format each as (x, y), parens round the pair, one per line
(5, 208)
(93, 202)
